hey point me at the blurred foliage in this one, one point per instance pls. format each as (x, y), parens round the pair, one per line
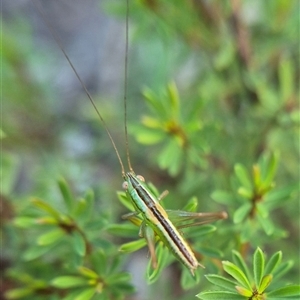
(220, 84)
(257, 286)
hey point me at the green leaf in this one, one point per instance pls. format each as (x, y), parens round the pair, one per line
(243, 176)
(273, 262)
(240, 262)
(200, 231)
(66, 193)
(133, 246)
(271, 169)
(265, 282)
(219, 295)
(51, 237)
(174, 97)
(166, 156)
(125, 201)
(287, 291)
(124, 230)
(223, 197)
(279, 196)
(286, 78)
(242, 212)
(154, 104)
(221, 281)
(149, 122)
(256, 175)
(244, 292)
(266, 224)
(283, 269)
(46, 207)
(18, 293)
(245, 192)
(147, 136)
(37, 251)
(187, 281)
(78, 243)
(262, 210)
(118, 278)
(99, 261)
(81, 209)
(258, 266)
(64, 282)
(211, 252)
(24, 222)
(191, 205)
(236, 273)
(88, 272)
(46, 220)
(87, 294)
(163, 259)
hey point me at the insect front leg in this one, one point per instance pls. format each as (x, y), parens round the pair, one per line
(145, 232)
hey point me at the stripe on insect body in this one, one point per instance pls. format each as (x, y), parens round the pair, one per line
(156, 217)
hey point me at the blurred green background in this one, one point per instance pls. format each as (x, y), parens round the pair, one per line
(235, 65)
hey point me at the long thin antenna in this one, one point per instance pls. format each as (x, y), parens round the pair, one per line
(59, 43)
(125, 90)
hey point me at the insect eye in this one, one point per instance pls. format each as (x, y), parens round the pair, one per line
(141, 178)
(125, 185)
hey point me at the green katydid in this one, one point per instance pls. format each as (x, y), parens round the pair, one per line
(156, 221)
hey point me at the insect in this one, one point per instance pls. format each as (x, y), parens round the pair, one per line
(156, 222)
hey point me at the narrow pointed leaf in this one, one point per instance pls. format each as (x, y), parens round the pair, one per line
(239, 261)
(211, 252)
(273, 262)
(219, 295)
(266, 224)
(118, 278)
(66, 193)
(124, 230)
(37, 251)
(46, 207)
(222, 197)
(285, 292)
(265, 282)
(243, 176)
(63, 282)
(87, 294)
(88, 272)
(133, 246)
(241, 213)
(278, 196)
(24, 222)
(174, 97)
(18, 293)
(221, 282)
(244, 292)
(187, 281)
(78, 243)
(245, 192)
(80, 209)
(125, 201)
(272, 166)
(258, 266)
(237, 274)
(283, 269)
(163, 259)
(51, 237)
